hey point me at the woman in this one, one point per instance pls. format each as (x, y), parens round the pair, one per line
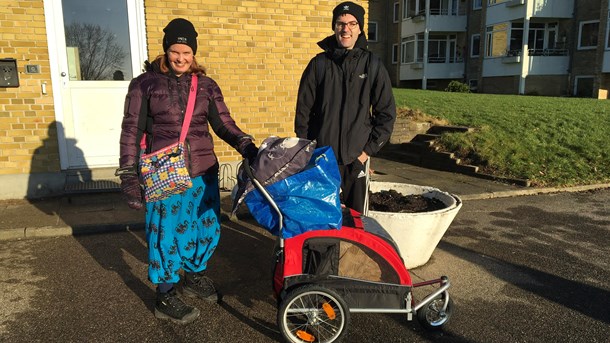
(182, 231)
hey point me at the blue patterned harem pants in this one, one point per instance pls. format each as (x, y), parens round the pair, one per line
(182, 231)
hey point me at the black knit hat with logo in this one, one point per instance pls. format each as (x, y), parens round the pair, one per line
(180, 31)
(349, 7)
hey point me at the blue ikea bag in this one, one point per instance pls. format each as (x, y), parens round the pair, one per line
(309, 200)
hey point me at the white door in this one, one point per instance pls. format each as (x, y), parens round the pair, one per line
(96, 48)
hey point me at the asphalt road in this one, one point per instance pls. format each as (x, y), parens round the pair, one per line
(523, 269)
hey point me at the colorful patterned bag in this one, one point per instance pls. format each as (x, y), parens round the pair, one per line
(164, 171)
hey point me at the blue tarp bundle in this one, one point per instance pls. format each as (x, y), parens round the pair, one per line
(309, 200)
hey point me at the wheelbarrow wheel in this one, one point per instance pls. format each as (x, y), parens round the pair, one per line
(313, 313)
(432, 317)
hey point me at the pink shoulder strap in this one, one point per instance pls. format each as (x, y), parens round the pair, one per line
(190, 106)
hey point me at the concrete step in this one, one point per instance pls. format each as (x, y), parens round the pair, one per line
(440, 129)
(425, 137)
(418, 147)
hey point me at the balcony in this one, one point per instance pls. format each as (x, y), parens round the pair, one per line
(514, 3)
(539, 62)
(547, 52)
(553, 9)
(436, 68)
(440, 20)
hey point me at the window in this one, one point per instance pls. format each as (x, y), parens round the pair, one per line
(420, 48)
(496, 40)
(587, 34)
(495, 2)
(477, 4)
(405, 9)
(437, 49)
(443, 49)
(97, 40)
(396, 12)
(408, 50)
(372, 33)
(475, 45)
(516, 39)
(535, 39)
(394, 53)
(413, 11)
(541, 39)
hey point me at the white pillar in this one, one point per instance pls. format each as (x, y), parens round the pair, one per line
(525, 57)
(424, 81)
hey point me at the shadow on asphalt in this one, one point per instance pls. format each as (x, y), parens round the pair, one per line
(111, 256)
(243, 266)
(540, 260)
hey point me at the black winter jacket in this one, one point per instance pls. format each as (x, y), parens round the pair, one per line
(167, 96)
(348, 109)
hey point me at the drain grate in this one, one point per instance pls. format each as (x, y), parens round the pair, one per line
(93, 186)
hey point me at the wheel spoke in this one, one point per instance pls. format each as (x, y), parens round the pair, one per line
(314, 314)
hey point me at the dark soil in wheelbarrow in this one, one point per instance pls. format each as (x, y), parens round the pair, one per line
(393, 201)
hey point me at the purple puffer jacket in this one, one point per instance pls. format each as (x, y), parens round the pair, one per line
(167, 97)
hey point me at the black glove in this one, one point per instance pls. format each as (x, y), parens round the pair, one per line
(249, 152)
(132, 191)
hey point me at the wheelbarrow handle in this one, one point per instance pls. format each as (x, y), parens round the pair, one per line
(258, 185)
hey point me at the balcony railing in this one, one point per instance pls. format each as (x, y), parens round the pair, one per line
(442, 11)
(441, 59)
(538, 52)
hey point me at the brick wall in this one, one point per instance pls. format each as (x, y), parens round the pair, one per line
(27, 142)
(255, 50)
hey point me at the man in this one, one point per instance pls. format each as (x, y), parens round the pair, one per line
(345, 101)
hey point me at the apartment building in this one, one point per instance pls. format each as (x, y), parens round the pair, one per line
(534, 47)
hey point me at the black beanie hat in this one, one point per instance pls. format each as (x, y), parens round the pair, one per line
(349, 7)
(180, 31)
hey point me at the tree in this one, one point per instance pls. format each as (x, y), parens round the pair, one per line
(99, 53)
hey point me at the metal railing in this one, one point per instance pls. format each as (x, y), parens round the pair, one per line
(538, 52)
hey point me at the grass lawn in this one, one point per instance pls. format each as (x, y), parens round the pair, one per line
(550, 141)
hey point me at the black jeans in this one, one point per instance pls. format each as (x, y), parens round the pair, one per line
(353, 185)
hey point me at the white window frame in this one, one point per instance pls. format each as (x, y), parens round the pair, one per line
(403, 49)
(608, 31)
(477, 4)
(396, 13)
(580, 26)
(405, 9)
(472, 45)
(488, 48)
(395, 53)
(369, 37)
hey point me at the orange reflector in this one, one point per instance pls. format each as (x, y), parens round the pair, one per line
(329, 311)
(305, 336)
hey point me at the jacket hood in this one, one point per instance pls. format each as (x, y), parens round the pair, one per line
(331, 47)
(152, 66)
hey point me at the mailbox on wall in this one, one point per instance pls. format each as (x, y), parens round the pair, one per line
(9, 77)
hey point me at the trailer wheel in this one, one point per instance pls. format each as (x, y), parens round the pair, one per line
(313, 313)
(432, 317)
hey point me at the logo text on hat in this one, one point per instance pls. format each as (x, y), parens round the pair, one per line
(181, 40)
(346, 8)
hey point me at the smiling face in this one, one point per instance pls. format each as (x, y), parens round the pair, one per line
(180, 57)
(347, 31)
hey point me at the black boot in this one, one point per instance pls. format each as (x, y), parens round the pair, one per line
(169, 306)
(198, 285)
